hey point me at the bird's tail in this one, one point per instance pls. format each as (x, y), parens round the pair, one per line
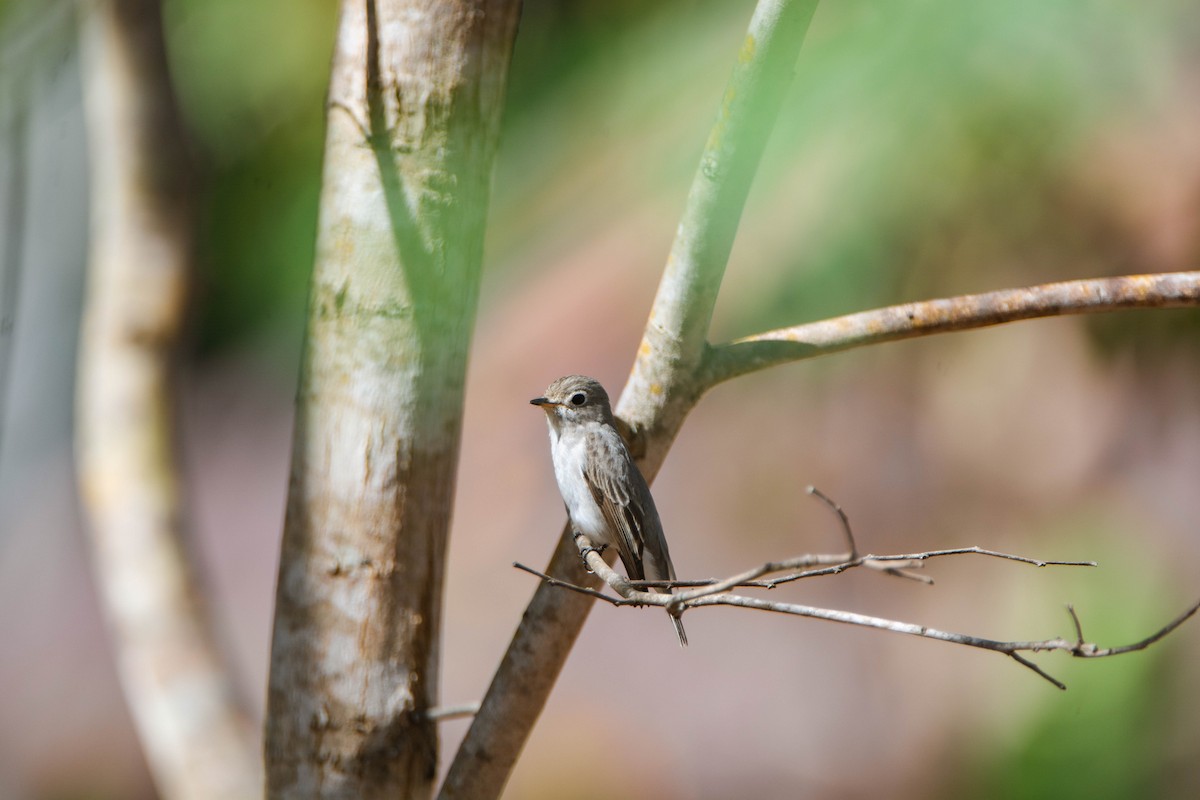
(679, 631)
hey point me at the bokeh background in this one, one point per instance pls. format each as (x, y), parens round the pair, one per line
(926, 149)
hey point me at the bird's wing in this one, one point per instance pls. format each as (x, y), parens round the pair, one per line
(615, 492)
(624, 498)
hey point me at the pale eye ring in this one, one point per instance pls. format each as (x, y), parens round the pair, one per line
(578, 399)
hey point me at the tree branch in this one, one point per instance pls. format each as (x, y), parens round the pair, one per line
(714, 595)
(673, 368)
(836, 563)
(662, 386)
(839, 563)
(909, 320)
(679, 320)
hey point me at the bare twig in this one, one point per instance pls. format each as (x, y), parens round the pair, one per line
(551, 581)
(909, 320)
(678, 603)
(957, 551)
(1031, 665)
(897, 571)
(1085, 650)
(841, 515)
(836, 563)
(839, 563)
(1075, 621)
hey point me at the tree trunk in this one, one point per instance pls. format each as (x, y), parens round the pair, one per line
(413, 116)
(196, 739)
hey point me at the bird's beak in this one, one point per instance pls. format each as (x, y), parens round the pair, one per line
(541, 401)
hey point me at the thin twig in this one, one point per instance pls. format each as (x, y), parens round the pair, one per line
(956, 551)
(1025, 662)
(715, 594)
(839, 563)
(1090, 651)
(841, 515)
(565, 584)
(1076, 623)
(848, 532)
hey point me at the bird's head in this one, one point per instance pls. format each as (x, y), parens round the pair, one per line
(575, 398)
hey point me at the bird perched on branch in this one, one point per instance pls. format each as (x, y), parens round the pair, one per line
(606, 496)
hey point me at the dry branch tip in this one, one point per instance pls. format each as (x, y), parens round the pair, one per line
(716, 592)
(1031, 665)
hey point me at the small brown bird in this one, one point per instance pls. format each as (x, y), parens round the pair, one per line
(606, 496)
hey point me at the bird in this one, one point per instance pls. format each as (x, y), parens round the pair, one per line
(606, 496)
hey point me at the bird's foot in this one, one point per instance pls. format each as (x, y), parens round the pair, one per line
(583, 554)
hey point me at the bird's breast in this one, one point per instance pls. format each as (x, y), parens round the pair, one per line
(570, 459)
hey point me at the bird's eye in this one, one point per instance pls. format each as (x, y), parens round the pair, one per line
(578, 399)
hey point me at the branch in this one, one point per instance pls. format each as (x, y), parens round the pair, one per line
(714, 595)
(662, 386)
(679, 320)
(909, 320)
(837, 564)
(196, 737)
(673, 368)
(633, 591)
(1084, 650)
(1078, 648)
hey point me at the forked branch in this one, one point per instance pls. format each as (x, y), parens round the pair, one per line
(715, 593)
(675, 366)
(814, 565)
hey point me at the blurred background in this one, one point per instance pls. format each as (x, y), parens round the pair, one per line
(926, 149)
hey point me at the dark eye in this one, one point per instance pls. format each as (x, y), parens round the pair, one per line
(578, 399)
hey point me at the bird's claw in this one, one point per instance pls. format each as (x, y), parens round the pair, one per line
(583, 554)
